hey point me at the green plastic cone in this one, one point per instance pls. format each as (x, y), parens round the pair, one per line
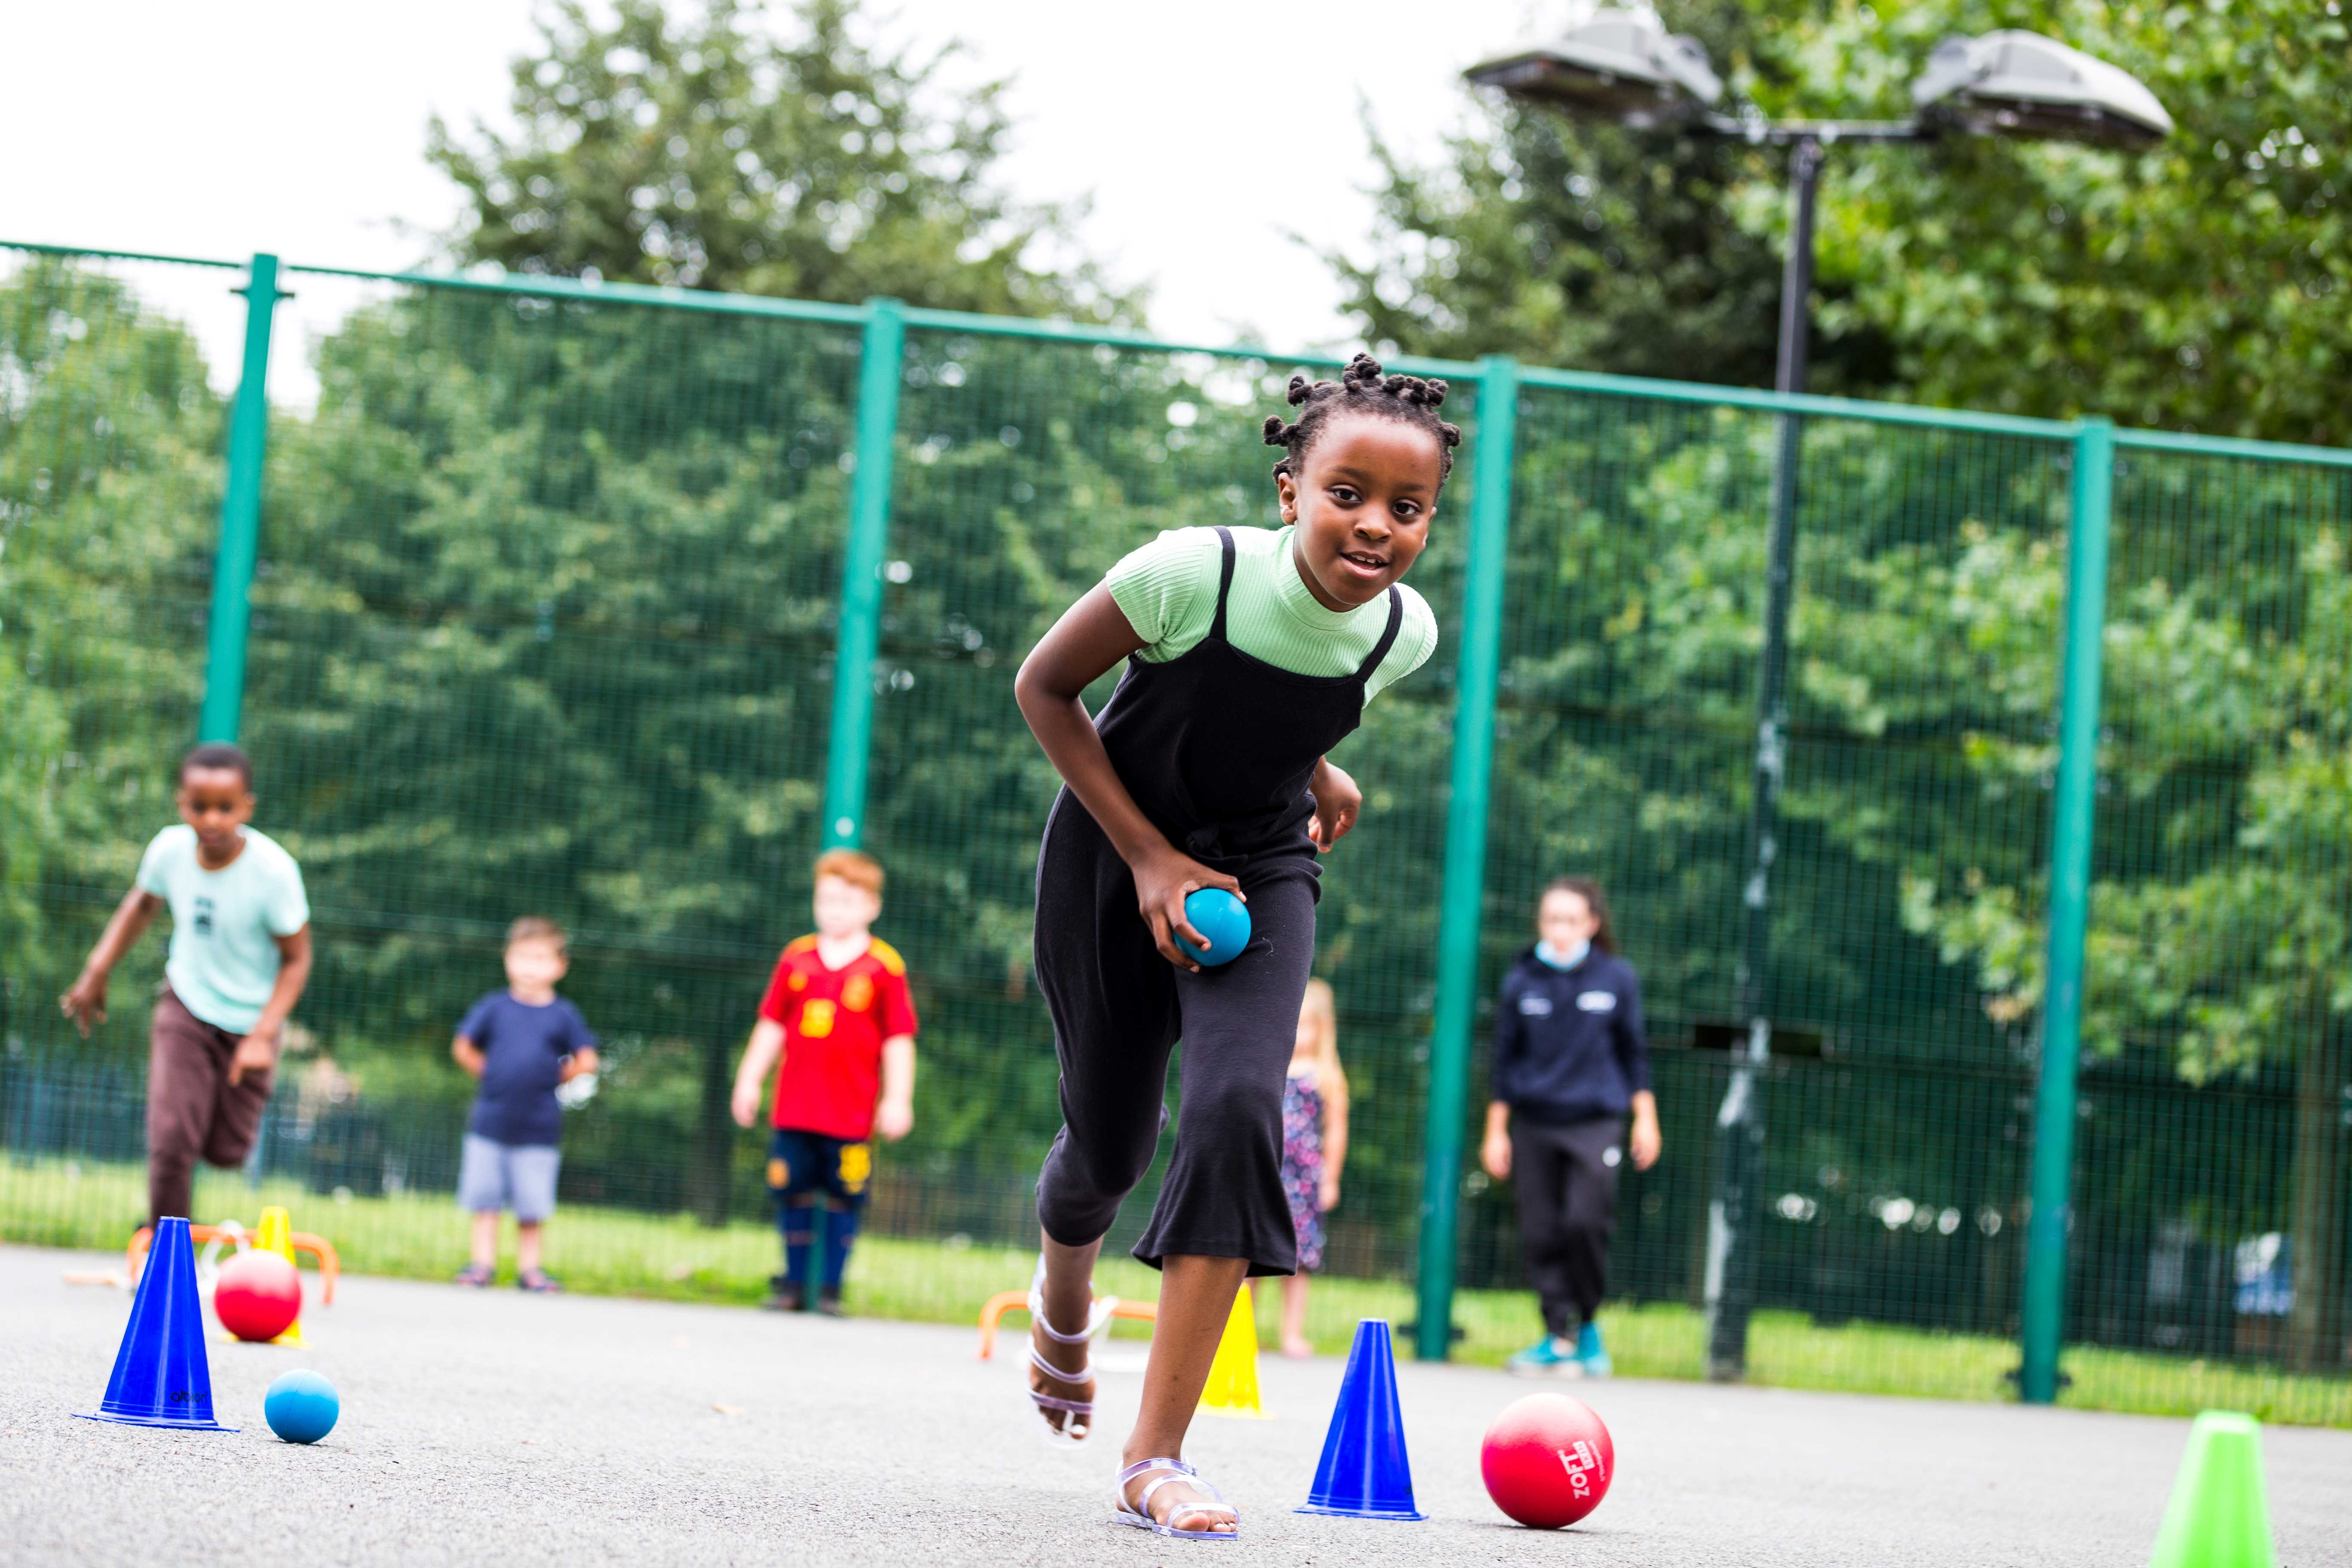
(2217, 1518)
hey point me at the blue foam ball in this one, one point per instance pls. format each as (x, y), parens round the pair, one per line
(1223, 919)
(302, 1407)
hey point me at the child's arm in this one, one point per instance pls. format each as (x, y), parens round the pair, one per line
(766, 1049)
(1642, 1139)
(1091, 637)
(85, 1000)
(1335, 1139)
(257, 1051)
(1495, 1153)
(1336, 803)
(893, 1116)
(579, 1064)
(467, 1055)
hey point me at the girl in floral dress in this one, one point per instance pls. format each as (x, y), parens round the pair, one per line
(1314, 1147)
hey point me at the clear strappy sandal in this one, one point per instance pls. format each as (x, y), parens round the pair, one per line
(1138, 1513)
(1077, 1413)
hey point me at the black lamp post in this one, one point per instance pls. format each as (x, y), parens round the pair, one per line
(1621, 66)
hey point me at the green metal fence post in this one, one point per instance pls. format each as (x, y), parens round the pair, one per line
(2043, 1323)
(880, 367)
(240, 520)
(1464, 891)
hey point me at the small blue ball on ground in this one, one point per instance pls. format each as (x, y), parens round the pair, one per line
(302, 1407)
(1223, 919)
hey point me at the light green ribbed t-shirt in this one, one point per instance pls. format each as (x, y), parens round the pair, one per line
(1168, 591)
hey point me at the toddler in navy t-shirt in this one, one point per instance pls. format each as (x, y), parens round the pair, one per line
(522, 1042)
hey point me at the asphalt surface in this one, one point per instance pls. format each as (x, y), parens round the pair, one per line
(494, 1427)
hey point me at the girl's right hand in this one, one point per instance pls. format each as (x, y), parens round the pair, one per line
(85, 1002)
(1162, 881)
(1495, 1155)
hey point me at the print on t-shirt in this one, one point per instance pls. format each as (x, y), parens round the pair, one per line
(834, 1022)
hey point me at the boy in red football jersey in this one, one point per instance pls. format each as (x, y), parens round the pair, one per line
(838, 1013)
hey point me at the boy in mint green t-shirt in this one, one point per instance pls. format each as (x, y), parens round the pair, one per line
(240, 954)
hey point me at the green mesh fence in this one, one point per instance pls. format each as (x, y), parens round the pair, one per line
(547, 622)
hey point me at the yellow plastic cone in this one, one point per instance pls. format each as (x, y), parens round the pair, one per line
(1233, 1376)
(276, 1228)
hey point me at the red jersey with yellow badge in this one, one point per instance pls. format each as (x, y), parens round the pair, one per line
(835, 1023)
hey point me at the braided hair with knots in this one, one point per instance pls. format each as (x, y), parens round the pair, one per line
(1363, 388)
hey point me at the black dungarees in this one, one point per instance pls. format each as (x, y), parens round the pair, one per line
(1217, 748)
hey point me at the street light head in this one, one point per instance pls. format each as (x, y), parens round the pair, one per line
(2021, 84)
(1616, 64)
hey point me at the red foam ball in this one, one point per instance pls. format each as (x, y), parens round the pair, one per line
(1547, 1460)
(257, 1296)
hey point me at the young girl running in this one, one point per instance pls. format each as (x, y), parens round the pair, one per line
(1314, 1148)
(1250, 654)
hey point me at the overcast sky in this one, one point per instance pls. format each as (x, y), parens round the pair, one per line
(1202, 133)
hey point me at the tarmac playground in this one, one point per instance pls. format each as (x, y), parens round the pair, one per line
(491, 1427)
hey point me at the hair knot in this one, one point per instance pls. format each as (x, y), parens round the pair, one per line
(1366, 387)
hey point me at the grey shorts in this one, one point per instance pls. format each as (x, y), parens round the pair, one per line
(518, 1176)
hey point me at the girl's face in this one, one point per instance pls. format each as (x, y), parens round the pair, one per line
(1362, 502)
(1565, 920)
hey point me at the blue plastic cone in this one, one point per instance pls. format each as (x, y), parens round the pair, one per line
(161, 1377)
(1363, 1474)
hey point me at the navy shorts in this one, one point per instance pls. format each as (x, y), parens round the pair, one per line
(802, 1166)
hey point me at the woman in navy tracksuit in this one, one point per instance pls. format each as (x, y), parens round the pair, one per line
(1572, 1071)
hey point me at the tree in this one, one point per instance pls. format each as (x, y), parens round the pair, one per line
(1574, 244)
(705, 151)
(2187, 287)
(108, 495)
(2220, 931)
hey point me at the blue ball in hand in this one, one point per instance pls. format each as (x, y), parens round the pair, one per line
(302, 1407)
(1223, 919)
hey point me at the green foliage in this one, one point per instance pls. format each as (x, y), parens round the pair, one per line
(1581, 246)
(703, 150)
(109, 484)
(2189, 286)
(2194, 286)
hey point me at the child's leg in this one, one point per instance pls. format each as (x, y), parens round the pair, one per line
(1196, 1296)
(845, 1207)
(1539, 1178)
(1294, 1317)
(486, 1238)
(794, 1181)
(1113, 1000)
(1068, 1294)
(1595, 1154)
(530, 1180)
(842, 1218)
(185, 1066)
(1222, 1208)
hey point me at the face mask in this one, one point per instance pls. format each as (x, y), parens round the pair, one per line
(1559, 960)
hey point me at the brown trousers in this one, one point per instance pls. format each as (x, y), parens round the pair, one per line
(193, 1110)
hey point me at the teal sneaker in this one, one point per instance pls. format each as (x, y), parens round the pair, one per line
(1549, 1356)
(1592, 1358)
